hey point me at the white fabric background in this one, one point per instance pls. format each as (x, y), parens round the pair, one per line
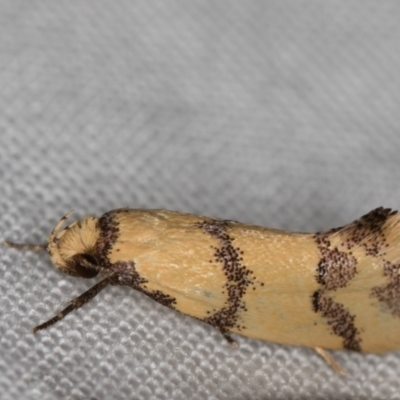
(280, 113)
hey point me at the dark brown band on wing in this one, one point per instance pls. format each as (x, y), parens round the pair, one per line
(238, 277)
(338, 318)
(368, 231)
(125, 271)
(335, 268)
(128, 276)
(109, 233)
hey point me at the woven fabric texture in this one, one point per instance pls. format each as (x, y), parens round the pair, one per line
(279, 113)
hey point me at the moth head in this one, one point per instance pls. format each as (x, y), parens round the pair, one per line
(72, 249)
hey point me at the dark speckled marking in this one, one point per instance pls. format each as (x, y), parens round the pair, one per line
(238, 277)
(126, 271)
(389, 295)
(368, 231)
(109, 233)
(335, 268)
(338, 266)
(127, 275)
(339, 319)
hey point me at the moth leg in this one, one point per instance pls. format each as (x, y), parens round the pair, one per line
(330, 360)
(77, 303)
(227, 337)
(25, 246)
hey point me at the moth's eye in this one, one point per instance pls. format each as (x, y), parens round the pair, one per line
(82, 266)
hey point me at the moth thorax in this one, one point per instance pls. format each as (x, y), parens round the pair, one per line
(72, 249)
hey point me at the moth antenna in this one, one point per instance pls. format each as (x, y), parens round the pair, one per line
(40, 247)
(26, 246)
(53, 234)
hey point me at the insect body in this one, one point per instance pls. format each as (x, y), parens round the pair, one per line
(335, 290)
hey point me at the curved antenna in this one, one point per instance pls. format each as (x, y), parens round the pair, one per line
(26, 246)
(53, 235)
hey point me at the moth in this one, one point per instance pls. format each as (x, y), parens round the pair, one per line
(338, 289)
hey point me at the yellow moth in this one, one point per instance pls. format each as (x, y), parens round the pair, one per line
(338, 289)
